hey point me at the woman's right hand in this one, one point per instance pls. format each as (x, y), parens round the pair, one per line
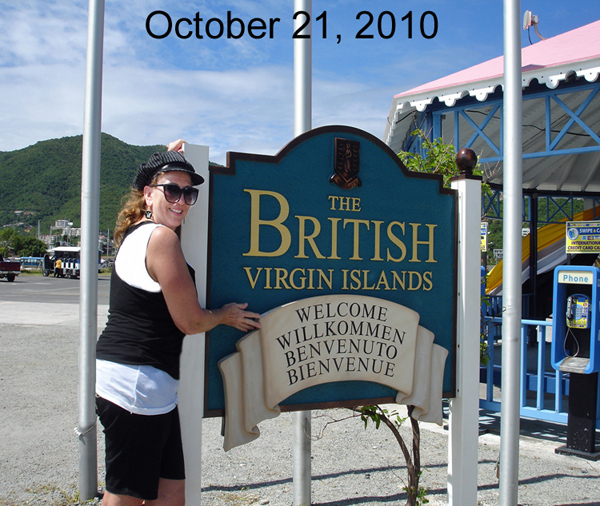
(176, 145)
(235, 316)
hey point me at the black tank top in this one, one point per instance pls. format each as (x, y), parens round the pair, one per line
(140, 330)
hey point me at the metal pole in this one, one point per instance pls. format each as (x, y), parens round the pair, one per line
(511, 324)
(302, 71)
(90, 212)
(301, 444)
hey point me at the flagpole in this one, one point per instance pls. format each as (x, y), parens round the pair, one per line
(511, 282)
(302, 123)
(90, 228)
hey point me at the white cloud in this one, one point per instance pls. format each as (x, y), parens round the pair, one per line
(40, 102)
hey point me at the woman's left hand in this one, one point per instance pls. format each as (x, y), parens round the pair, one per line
(235, 316)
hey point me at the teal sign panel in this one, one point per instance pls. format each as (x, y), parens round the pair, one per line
(335, 212)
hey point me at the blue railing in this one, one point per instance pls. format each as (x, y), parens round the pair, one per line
(544, 391)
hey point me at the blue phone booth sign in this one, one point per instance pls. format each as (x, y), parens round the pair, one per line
(335, 213)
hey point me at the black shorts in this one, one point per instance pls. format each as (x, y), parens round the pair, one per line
(140, 450)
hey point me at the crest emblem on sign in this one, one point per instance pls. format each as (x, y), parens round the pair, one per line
(347, 164)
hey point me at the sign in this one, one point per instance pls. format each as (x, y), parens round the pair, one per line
(498, 254)
(328, 339)
(575, 277)
(334, 213)
(583, 237)
(484, 227)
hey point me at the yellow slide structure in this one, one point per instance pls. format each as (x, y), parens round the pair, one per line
(551, 251)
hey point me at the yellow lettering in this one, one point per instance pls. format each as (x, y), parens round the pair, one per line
(277, 223)
(355, 276)
(411, 276)
(398, 280)
(366, 281)
(427, 279)
(344, 203)
(248, 273)
(345, 279)
(302, 279)
(302, 237)
(310, 279)
(377, 241)
(281, 275)
(328, 280)
(382, 281)
(332, 199)
(396, 241)
(416, 242)
(356, 223)
(334, 238)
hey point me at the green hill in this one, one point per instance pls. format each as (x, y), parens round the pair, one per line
(44, 181)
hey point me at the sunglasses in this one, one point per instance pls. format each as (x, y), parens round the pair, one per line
(173, 193)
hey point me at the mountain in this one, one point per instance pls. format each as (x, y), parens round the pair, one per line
(43, 181)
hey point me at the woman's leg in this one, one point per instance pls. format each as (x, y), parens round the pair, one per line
(120, 500)
(170, 493)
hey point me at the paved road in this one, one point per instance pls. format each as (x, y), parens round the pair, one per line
(36, 288)
(39, 320)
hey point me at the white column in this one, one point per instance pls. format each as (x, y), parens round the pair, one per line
(464, 408)
(194, 241)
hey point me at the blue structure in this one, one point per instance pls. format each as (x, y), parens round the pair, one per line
(561, 161)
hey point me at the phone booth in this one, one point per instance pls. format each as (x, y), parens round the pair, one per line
(576, 351)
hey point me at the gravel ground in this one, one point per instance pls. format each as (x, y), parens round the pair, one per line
(350, 465)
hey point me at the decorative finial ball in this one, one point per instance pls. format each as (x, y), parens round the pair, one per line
(466, 160)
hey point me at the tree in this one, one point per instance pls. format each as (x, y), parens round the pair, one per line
(14, 244)
(416, 493)
(32, 247)
(6, 241)
(376, 414)
(440, 159)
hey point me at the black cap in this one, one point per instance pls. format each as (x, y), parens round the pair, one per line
(165, 161)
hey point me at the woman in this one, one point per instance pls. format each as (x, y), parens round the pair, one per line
(153, 305)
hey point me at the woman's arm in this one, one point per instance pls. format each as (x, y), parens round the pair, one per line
(166, 265)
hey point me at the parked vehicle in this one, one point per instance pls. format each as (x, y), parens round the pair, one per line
(31, 263)
(9, 270)
(64, 261)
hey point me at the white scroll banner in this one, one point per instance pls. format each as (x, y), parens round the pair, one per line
(327, 339)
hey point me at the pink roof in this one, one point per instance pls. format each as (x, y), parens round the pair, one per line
(577, 45)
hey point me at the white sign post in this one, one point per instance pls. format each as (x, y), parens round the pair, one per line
(464, 408)
(194, 242)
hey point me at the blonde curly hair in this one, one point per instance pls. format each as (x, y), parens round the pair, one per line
(133, 211)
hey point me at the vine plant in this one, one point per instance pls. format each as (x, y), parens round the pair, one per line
(376, 414)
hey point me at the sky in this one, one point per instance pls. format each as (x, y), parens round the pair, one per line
(236, 93)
